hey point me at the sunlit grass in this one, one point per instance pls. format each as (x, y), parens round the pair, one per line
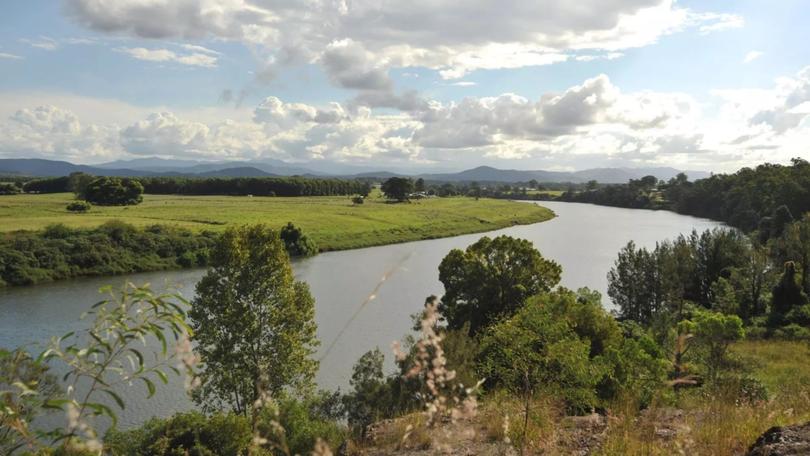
(333, 222)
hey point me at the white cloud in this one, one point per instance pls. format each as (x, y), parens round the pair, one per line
(371, 37)
(165, 55)
(43, 42)
(586, 125)
(4, 55)
(751, 56)
(51, 132)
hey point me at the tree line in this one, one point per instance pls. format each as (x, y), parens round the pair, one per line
(758, 199)
(236, 186)
(59, 252)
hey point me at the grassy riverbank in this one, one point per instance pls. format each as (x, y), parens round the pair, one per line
(333, 222)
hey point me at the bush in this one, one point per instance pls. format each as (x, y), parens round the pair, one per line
(358, 199)
(306, 421)
(538, 349)
(792, 332)
(9, 188)
(114, 191)
(296, 242)
(79, 206)
(184, 433)
(60, 252)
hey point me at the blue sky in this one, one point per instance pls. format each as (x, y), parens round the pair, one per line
(695, 84)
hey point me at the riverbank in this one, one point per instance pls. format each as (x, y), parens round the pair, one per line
(334, 223)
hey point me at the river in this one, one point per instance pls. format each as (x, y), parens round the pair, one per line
(583, 239)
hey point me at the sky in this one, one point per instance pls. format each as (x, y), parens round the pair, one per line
(710, 85)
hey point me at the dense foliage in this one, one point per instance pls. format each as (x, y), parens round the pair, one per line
(78, 206)
(223, 433)
(113, 191)
(397, 188)
(253, 323)
(259, 186)
(114, 248)
(9, 188)
(492, 278)
(296, 242)
(748, 199)
(721, 270)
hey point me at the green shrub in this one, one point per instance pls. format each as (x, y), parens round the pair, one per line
(189, 433)
(60, 252)
(79, 206)
(792, 332)
(114, 191)
(9, 188)
(538, 349)
(296, 242)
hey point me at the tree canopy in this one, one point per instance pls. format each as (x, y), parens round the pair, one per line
(491, 278)
(397, 188)
(114, 191)
(252, 321)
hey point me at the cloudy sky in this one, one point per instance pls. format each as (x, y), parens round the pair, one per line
(542, 84)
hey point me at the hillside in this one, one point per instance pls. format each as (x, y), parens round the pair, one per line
(190, 168)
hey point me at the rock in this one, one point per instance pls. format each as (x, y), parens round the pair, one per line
(783, 441)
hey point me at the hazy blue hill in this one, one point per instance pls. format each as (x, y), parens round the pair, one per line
(162, 167)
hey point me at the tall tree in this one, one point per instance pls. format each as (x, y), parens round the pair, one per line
(397, 188)
(253, 323)
(787, 295)
(491, 278)
(419, 186)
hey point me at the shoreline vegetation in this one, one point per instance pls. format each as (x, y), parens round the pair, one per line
(43, 242)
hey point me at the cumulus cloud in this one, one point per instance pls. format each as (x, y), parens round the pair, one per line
(201, 59)
(51, 132)
(358, 41)
(588, 123)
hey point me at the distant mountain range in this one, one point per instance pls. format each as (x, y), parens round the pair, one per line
(164, 167)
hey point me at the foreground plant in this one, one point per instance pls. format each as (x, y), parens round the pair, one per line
(114, 352)
(441, 398)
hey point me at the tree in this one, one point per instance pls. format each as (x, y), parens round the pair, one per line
(397, 188)
(370, 397)
(591, 185)
(296, 242)
(252, 321)
(492, 278)
(9, 188)
(113, 191)
(419, 186)
(786, 296)
(714, 332)
(78, 183)
(538, 348)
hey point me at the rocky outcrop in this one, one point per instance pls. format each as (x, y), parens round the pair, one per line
(783, 441)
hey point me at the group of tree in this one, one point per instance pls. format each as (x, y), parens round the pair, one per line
(9, 188)
(114, 248)
(636, 194)
(235, 186)
(764, 284)
(506, 320)
(252, 330)
(763, 199)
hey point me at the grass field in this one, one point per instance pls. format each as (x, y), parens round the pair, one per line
(333, 222)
